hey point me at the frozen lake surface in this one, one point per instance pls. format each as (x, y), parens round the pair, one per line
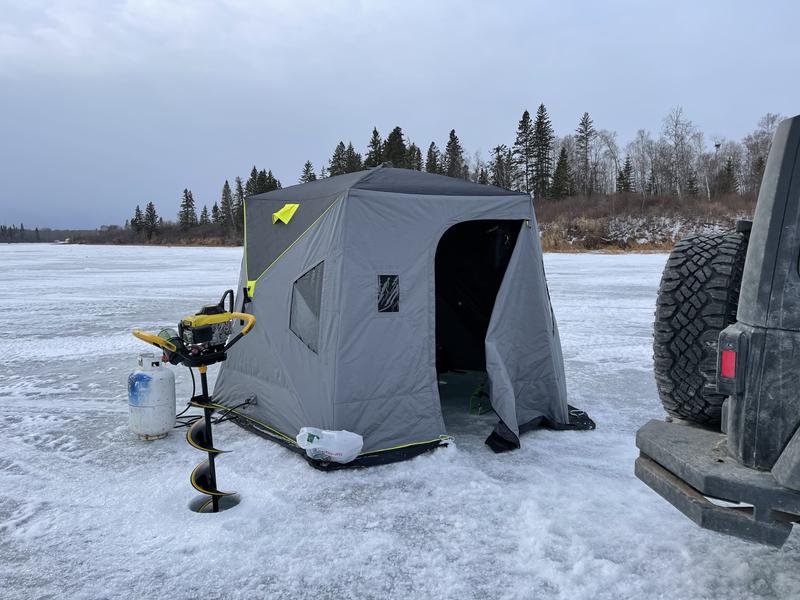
(86, 511)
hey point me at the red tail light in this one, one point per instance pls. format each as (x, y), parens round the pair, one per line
(728, 367)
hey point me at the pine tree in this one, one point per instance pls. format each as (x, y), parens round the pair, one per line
(562, 179)
(501, 167)
(375, 150)
(251, 186)
(483, 176)
(584, 135)
(414, 157)
(137, 222)
(433, 160)
(266, 182)
(524, 152)
(215, 214)
(338, 162)
(627, 170)
(187, 217)
(204, 218)
(226, 204)
(543, 137)
(193, 212)
(622, 184)
(323, 172)
(151, 220)
(238, 205)
(308, 173)
(262, 183)
(269, 182)
(352, 159)
(625, 177)
(454, 157)
(36, 235)
(394, 149)
(726, 181)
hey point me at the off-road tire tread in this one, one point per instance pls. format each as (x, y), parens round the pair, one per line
(697, 298)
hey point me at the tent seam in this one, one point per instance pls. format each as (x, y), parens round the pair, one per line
(345, 228)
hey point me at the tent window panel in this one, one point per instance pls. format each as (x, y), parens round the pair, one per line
(388, 293)
(306, 303)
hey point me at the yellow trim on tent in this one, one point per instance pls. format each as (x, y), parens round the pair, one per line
(285, 214)
(251, 283)
(244, 243)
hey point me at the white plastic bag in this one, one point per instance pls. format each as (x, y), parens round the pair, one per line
(330, 446)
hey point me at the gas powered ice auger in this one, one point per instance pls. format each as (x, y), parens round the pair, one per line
(202, 340)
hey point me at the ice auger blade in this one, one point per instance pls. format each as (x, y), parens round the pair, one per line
(202, 481)
(197, 438)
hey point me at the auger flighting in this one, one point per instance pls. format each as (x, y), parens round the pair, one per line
(202, 340)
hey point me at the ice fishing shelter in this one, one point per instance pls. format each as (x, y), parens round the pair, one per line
(367, 286)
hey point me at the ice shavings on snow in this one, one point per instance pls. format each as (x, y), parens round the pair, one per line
(87, 511)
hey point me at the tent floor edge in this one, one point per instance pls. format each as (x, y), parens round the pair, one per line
(579, 420)
(370, 459)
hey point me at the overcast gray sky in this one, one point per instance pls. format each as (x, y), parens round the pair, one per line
(107, 104)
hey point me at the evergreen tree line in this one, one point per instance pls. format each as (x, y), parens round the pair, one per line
(584, 163)
(12, 233)
(18, 234)
(225, 218)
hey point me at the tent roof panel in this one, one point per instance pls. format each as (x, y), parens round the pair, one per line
(266, 241)
(384, 179)
(407, 181)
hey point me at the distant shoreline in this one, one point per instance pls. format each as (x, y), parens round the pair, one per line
(604, 249)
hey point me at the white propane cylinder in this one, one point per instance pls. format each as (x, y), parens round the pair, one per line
(151, 398)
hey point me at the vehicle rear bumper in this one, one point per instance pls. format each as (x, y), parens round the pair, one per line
(686, 465)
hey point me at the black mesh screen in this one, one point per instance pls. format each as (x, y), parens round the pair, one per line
(388, 293)
(306, 304)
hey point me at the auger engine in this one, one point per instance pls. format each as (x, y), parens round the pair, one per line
(201, 340)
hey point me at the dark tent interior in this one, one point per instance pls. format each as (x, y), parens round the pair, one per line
(471, 260)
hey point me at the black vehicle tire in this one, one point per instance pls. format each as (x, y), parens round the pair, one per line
(697, 298)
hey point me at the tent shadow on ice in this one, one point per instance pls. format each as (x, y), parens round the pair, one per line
(367, 286)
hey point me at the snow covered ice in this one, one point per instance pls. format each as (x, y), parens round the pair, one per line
(88, 511)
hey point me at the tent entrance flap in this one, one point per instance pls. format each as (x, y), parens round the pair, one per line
(471, 261)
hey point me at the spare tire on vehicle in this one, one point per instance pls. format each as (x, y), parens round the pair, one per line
(697, 298)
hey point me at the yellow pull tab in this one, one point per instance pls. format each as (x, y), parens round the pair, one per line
(251, 287)
(285, 214)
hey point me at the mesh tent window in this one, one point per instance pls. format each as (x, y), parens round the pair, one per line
(306, 304)
(388, 293)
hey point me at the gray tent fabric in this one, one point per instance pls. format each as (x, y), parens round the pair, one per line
(345, 301)
(318, 196)
(526, 380)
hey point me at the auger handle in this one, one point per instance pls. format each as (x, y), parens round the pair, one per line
(228, 294)
(158, 342)
(251, 320)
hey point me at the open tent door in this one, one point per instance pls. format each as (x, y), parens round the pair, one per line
(471, 261)
(523, 350)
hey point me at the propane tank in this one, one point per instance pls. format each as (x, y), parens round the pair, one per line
(151, 398)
